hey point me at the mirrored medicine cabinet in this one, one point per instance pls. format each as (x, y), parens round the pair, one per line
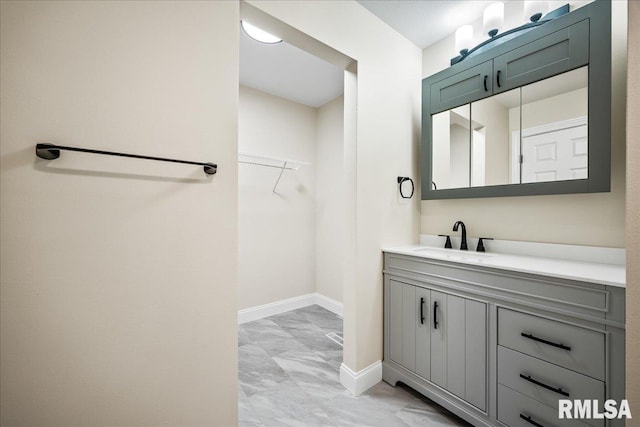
(529, 117)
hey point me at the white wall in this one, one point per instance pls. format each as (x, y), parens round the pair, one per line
(330, 213)
(441, 152)
(277, 232)
(118, 276)
(633, 212)
(494, 116)
(289, 242)
(566, 106)
(582, 219)
(387, 129)
(459, 143)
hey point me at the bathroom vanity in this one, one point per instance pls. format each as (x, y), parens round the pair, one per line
(499, 339)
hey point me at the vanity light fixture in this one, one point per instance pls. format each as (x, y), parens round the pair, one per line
(464, 39)
(259, 34)
(492, 23)
(493, 18)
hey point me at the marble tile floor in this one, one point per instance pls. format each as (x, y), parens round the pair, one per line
(289, 376)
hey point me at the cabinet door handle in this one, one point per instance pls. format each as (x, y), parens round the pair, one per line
(498, 79)
(486, 89)
(528, 419)
(558, 390)
(435, 315)
(422, 311)
(543, 341)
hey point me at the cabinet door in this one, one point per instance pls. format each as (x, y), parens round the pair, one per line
(423, 333)
(455, 317)
(467, 350)
(462, 88)
(476, 353)
(438, 339)
(402, 324)
(459, 347)
(556, 53)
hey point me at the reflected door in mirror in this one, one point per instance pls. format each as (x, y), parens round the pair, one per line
(554, 141)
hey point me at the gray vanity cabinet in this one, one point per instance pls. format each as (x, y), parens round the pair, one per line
(500, 347)
(554, 54)
(469, 85)
(439, 336)
(402, 325)
(423, 332)
(476, 347)
(439, 341)
(548, 56)
(458, 347)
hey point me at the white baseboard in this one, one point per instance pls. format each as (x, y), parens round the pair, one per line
(328, 304)
(282, 306)
(359, 382)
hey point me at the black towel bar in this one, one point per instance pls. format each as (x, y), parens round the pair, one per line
(52, 151)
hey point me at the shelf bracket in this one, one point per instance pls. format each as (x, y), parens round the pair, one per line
(284, 166)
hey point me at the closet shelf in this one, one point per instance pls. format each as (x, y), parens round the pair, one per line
(271, 162)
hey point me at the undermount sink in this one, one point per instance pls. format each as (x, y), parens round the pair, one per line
(453, 254)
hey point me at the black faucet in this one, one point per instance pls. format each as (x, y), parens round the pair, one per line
(463, 245)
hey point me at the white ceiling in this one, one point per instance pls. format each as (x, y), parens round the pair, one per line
(426, 21)
(288, 72)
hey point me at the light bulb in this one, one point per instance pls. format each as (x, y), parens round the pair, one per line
(535, 9)
(464, 38)
(493, 18)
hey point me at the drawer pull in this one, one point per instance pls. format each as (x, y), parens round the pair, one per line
(435, 315)
(558, 390)
(422, 311)
(528, 419)
(531, 337)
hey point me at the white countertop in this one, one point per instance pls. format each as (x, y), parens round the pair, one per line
(594, 272)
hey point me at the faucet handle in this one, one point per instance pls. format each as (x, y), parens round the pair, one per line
(447, 244)
(480, 247)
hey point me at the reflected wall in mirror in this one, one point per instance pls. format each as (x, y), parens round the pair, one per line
(535, 133)
(554, 142)
(495, 119)
(451, 155)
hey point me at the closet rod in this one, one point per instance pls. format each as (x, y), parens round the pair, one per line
(52, 151)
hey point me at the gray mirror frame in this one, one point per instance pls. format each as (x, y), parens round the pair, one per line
(599, 15)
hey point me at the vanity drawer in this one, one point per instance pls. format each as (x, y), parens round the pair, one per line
(545, 382)
(517, 410)
(579, 349)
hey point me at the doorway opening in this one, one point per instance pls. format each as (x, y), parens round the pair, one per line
(292, 214)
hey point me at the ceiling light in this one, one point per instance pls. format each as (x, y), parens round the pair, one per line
(493, 18)
(259, 34)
